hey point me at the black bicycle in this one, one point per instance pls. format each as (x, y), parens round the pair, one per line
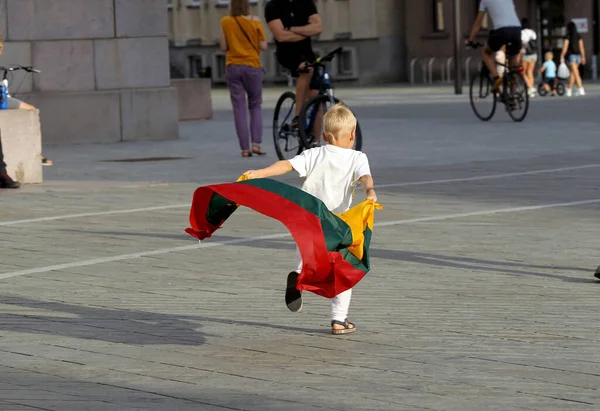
(513, 93)
(555, 85)
(290, 141)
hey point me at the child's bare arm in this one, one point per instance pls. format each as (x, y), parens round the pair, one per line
(367, 184)
(277, 169)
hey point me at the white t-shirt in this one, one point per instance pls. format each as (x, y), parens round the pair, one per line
(502, 12)
(527, 35)
(331, 174)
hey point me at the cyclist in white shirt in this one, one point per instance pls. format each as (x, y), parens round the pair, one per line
(507, 32)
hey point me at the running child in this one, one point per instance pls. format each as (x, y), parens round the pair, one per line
(332, 171)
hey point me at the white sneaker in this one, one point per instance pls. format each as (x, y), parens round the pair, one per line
(569, 92)
(532, 92)
(580, 92)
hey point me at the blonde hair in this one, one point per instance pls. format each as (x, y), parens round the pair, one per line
(338, 119)
(548, 56)
(239, 8)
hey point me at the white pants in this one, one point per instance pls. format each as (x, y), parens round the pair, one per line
(340, 304)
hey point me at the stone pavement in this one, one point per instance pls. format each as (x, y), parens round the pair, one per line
(481, 295)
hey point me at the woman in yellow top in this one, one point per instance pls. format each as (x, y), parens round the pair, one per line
(242, 38)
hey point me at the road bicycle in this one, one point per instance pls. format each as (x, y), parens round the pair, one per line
(513, 93)
(4, 84)
(290, 141)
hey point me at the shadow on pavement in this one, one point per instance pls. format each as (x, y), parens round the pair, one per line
(440, 260)
(116, 325)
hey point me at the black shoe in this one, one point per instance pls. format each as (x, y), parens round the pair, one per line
(7, 182)
(597, 273)
(293, 296)
(294, 124)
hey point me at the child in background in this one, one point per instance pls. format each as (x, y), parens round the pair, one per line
(548, 71)
(332, 171)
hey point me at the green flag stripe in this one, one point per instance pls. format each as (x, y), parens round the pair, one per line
(337, 233)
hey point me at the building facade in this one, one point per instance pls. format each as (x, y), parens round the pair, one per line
(381, 38)
(104, 68)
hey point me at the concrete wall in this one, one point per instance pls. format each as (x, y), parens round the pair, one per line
(104, 63)
(22, 144)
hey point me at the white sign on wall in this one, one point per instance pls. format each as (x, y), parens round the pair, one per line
(582, 25)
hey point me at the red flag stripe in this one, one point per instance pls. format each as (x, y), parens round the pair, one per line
(324, 273)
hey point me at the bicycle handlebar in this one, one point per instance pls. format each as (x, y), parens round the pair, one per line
(326, 58)
(28, 69)
(474, 44)
(329, 56)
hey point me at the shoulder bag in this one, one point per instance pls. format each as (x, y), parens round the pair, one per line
(248, 38)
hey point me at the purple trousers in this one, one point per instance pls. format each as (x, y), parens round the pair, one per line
(242, 80)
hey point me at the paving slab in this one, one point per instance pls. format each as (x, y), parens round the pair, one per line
(481, 295)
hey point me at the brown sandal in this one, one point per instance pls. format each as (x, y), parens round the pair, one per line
(257, 150)
(348, 327)
(246, 153)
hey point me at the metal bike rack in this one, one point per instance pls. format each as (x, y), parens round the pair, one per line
(430, 69)
(412, 70)
(413, 62)
(443, 73)
(427, 65)
(467, 65)
(449, 70)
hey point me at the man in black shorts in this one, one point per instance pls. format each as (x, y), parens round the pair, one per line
(507, 32)
(292, 23)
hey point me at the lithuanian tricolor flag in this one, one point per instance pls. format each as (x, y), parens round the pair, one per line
(334, 248)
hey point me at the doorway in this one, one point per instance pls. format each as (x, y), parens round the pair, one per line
(552, 25)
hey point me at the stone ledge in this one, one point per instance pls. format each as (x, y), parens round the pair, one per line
(22, 144)
(194, 98)
(149, 114)
(107, 116)
(78, 117)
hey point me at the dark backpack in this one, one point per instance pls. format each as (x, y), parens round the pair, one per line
(531, 47)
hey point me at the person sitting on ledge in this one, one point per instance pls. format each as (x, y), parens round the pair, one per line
(5, 180)
(16, 104)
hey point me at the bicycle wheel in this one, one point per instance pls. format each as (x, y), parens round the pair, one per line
(483, 100)
(517, 103)
(541, 90)
(287, 142)
(560, 89)
(309, 114)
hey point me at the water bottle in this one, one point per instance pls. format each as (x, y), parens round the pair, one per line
(4, 95)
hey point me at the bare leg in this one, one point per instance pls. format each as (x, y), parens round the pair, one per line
(25, 106)
(574, 68)
(318, 126)
(490, 61)
(302, 89)
(529, 67)
(513, 61)
(576, 75)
